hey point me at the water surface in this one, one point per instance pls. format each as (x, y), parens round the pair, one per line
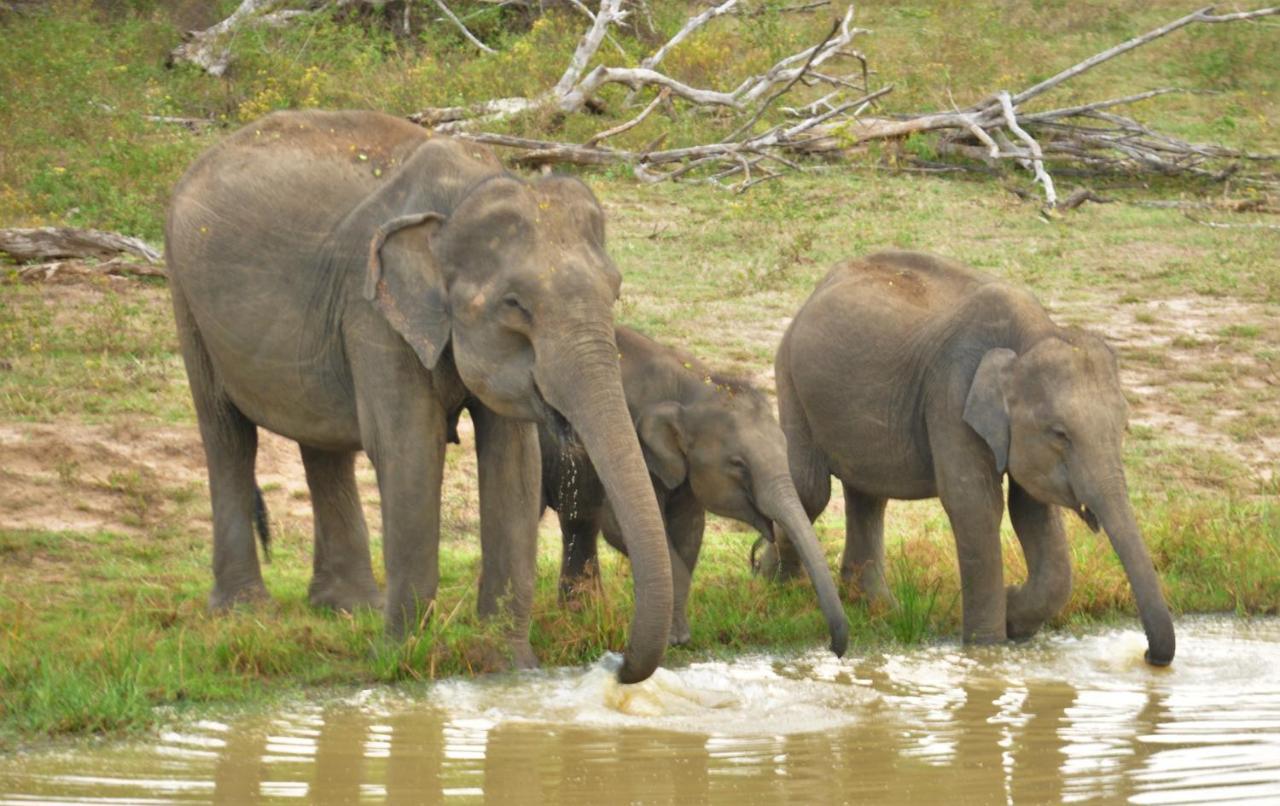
(1060, 719)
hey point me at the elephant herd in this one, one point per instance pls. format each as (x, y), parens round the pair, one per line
(352, 282)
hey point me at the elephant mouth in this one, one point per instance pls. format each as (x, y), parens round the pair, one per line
(556, 422)
(1086, 515)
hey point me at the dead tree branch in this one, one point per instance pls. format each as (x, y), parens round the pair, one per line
(575, 90)
(1089, 136)
(59, 243)
(76, 269)
(457, 23)
(1037, 156)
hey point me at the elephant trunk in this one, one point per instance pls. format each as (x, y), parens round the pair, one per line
(583, 382)
(1115, 514)
(779, 501)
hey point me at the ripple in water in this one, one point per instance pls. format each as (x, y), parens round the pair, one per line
(1060, 719)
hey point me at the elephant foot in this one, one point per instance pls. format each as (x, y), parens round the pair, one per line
(984, 639)
(679, 635)
(869, 587)
(345, 596)
(1023, 618)
(522, 656)
(405, 615)
(251, 594)
(766, 562)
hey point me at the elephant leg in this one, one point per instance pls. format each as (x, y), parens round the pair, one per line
(342, 576)
(230, 447)
(1044, 544)
(862, 566)
(811, 474)
(510, 470)
(402, 428)
(972, 501)
(686, 522)
(579, 564)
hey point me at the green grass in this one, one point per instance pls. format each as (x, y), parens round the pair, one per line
(104, 530)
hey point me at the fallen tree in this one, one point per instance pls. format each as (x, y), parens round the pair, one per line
(1091, 136)
(49, 243)
(45, 252)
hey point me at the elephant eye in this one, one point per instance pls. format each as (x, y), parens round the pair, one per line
(1059, 434)
(738, 463)
(512, 302)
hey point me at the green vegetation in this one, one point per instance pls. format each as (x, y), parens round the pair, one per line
(104, 525)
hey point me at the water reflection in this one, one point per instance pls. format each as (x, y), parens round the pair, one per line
(1060, 720)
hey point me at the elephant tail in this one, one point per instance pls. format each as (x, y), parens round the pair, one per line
(261, 523)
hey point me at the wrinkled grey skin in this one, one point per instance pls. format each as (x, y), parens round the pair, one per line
(907, 376)
(348, 281)
(711, 443)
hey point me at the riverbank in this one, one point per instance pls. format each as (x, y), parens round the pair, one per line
(104, 513)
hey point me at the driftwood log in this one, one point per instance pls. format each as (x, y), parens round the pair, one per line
(46, 253)
(59, 243)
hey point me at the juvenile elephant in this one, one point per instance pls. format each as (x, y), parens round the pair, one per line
(349, 281)
(711, 443)
(908, 376)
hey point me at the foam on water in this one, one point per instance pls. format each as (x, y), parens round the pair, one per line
(708, 698)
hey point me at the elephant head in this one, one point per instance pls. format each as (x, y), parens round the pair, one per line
(516, 281)
(734, 455)
(1055, 418)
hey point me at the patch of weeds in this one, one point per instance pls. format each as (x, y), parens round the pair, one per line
(140, 492)
(918, 593)
(1240, 332)
(68, 471)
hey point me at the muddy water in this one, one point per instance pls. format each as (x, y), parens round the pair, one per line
(1058, 720)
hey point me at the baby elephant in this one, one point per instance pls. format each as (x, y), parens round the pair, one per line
(907, 376)
(711, 443)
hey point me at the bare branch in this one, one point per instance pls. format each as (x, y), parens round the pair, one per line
(609, 13)
(693, 24)
(1074, 111)
(67, 269)
(630, 124)
(1037, 157)
(1240, 15)
(457, 23)
(746, 127)
(206, 49)
(1136, 42)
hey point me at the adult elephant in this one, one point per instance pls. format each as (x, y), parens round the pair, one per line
(349, 281)
(711, 443)
(908, 376)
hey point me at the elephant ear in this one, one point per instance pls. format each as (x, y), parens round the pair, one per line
(404, 283)
(985, 409)
(662, 440)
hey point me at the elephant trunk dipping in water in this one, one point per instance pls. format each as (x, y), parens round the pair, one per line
(907, 376)
(349, 281)
(711, 443)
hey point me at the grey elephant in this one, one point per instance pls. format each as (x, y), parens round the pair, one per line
(349, 281)
(711, 443)
(908, 376)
